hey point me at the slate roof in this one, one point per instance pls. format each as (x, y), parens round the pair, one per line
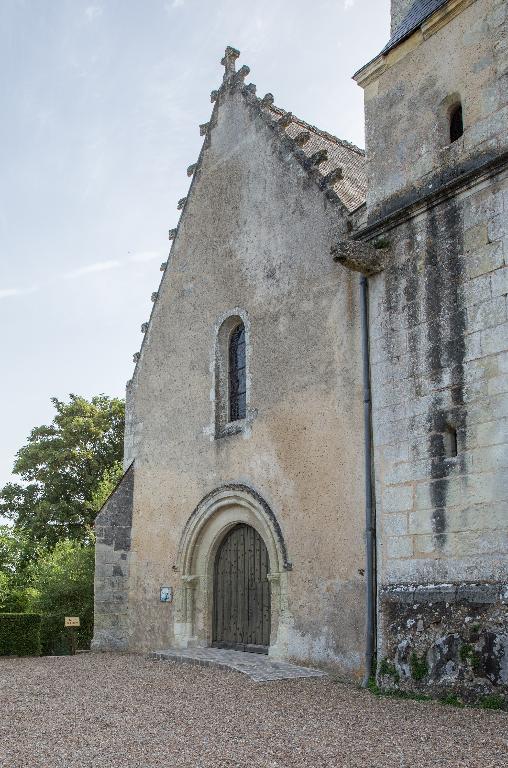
(417, 14)
(352, 187)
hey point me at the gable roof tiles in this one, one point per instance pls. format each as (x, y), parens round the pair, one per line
(417, 14)
(352, 187)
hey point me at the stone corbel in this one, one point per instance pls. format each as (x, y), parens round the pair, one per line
(360, 257)
(321, 156)
(285, 120)
(302, 138)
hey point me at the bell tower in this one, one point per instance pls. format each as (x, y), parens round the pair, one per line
(436, 111)
(435, 95)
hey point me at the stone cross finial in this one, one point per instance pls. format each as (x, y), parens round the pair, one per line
(228, 62)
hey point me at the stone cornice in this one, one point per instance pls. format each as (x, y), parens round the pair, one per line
(429, 196)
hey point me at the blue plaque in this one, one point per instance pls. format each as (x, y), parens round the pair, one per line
(166, 594)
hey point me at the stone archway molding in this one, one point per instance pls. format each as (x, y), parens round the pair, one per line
(207, 506)
(206, 527)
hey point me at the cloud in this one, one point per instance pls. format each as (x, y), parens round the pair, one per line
(349, 4)
(93, 12)
(137, 257)
(100, 266)
(172, 4)
(140, 257)
(6, 293)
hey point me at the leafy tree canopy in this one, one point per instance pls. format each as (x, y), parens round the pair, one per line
(65, 469)
(16, 554)
(62, 585)
(63, 580)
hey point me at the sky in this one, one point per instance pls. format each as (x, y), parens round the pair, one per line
(101, 106)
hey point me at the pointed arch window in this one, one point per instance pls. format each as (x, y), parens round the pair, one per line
(231, 375)
(237, 374)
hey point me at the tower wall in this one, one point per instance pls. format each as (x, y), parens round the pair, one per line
(439, 339)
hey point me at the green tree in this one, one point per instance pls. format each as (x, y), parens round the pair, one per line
(110, 479)
(16, 554)
(62, 585)
(62, 469)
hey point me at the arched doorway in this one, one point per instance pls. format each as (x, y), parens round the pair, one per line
(241, 592)
(216, 515)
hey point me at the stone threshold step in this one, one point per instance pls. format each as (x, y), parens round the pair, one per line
(258, 667)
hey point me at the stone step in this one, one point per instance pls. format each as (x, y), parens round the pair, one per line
(258, 667)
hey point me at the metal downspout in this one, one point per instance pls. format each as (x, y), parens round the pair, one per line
(370, 513)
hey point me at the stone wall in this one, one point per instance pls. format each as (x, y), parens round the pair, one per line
(439, 355)
(254, 241)
(439, 360)
(407, 98)
(112, 556)
(445, 639)
(439, 339)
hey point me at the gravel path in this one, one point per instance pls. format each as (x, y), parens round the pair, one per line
(130, 712)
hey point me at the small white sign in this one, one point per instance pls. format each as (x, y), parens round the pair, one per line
(72, 621)
(166, 594)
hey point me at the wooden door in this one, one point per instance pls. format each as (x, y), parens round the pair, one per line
(241, 592)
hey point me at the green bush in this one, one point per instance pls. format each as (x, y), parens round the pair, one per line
(451, 700)
(20, 634)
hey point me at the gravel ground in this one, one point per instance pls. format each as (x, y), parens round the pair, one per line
(125, 710)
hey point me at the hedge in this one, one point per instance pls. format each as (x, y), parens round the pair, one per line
(55, 638)
(30, 634)
(20, 634)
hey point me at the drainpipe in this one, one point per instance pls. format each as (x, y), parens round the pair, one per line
(370, 510)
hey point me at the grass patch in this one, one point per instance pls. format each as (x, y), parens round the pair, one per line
(377, 691)
(452, 701)
(492, 701)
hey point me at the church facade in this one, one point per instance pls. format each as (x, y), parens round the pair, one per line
(316, 426)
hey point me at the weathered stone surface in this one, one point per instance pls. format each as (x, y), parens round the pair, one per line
(438, 333)
(112, 567)
(260, 669)
(253, 243)
(449, 638)
(361, 257)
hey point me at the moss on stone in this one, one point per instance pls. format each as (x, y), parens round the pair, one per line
(387, 667)
(419, 668)
(465, 652)
(468, 654)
